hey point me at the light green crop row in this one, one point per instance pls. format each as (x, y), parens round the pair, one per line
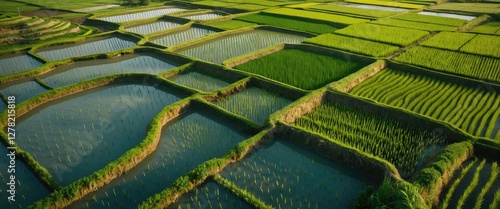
(355, 45)
(385, 34)
(317, 16)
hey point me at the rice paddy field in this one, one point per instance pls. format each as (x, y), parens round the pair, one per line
(358, 104)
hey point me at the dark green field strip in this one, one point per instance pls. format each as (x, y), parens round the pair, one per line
(231, 24)
(300, 68)
(373, 13)
(355, 45)
(459, 63)
(431, 19)
(385, 34)
(288, 22)
(448, 40)
(467, 108)
(380, 136)
(414, 25)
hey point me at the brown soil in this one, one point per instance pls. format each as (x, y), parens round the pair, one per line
(43, 13)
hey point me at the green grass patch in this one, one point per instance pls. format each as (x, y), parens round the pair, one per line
(304, 69)
(317, 16)
(231, 24)
(287, 22)
(355, 45)
(385, 34)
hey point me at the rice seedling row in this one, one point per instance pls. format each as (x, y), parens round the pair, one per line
(453, 62)
(199, 81)
(303, 69)
(85, 70)
(185, 142)
(414, 25)
(384, 34)
(236, 45)
(153, 27)
(447, 15)
(286, 175)
(203, 16)
(183, 36)
(88, 48)
(463, 106)
(210, 195)
(23, 90)
(362, 12)
(316, 16)
(387, 3)
(17, 64)
(140, 15)
(231, 24)
(492, 27)
(412, 17)
(287, 22)
(483, 45)
(448, 40)
(355, 45)
(474, 187)
(79, 134)
(28, 188)
(404, 145)
(253, 103)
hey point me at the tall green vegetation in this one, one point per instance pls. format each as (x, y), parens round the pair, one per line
(355, 45)
(406, 146)
(464, 106)
(301, 68)
(384, 34)
(316, 16)
(414, 25)
(390, 195)
(287, 22)
(431, 19)
(453, 62)
(448, 40)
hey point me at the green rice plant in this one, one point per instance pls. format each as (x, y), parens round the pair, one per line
(487, 28)
(457, 181)
(355, 45)
(496, 200)
(249, 7)
(404, 145)
(254, 103)
(413, 25)
(387, 3)
(304, 69)
(493, 177)
(213, 3)
(469, 65)
(288, 22)
(316, 16)
(431, 19)
(373, 13)
(483, 45)
(385, 34)
(231, 24)
(472, 185)
(448, 40)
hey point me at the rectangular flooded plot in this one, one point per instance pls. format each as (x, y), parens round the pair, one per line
(76, 135)
(97, 8)
(463, 17)
(23, 90)
(239, 44)
(203, 16)
(140, 15)
(253, 103)
(182, 36)
(153, 27)
(185, 143)
(286, 175)
(84, 70)
(28, 189)
(89, 47)
(10, 64)
(407, 147)
(199, 81)
(210, 194)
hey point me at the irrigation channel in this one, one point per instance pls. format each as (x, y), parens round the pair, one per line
(74, 136)
(286, 175)
(178, 152)
(235, 45)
